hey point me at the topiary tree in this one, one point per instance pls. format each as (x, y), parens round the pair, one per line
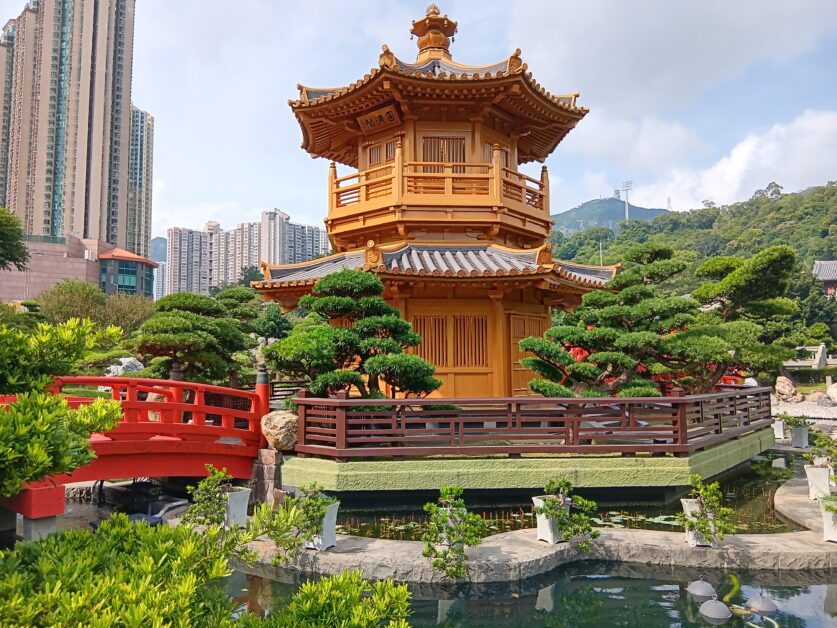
(192, 335)
(271, 323)
(127, 311)
(620, 337)
(365, 354)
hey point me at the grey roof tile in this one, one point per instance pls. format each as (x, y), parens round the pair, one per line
(826, 270)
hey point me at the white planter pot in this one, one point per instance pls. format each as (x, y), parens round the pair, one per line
(821, 461)
(799, 437)
(691, 508)
(328, 537)
(829, 523)
(819, 481)
(778, 429)
(236, 512)
(546, 526)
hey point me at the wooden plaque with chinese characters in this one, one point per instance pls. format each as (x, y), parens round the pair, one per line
(378, 120)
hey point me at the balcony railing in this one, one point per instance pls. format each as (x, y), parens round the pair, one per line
(360, 428)
(402, 182)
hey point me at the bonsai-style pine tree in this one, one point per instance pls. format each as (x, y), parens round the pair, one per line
(363, 350)
(632, 330)
(191, 334)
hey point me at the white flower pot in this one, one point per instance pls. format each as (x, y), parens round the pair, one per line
(546, 526)
(328, 537)
(691, 508)
(236, 511)
(829, 522)
(778, 429)
(819, 481)
(799, 437)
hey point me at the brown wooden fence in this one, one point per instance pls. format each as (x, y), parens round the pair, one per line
(354, 428)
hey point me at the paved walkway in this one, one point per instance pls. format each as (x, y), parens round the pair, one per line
(514, 556)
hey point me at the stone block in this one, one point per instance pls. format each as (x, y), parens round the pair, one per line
(267, 456)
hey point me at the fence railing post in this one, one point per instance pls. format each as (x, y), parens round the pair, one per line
(682, 427)
(301, 427)
(340, 423)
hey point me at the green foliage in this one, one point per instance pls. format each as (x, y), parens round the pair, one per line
(714, 520)
(13, 251)
(451, 528)
(209, 499)
(271, 323)
(30, 358)
(344, 600)
(134, 575)
(803, 221)
(40, 436)
(634, 329)
(196, 334)
(794, 421)
(127, 311)
(312, 505)
(822, 446)
(72, 298)
(250, 273)
(363, 356)
(572, 523)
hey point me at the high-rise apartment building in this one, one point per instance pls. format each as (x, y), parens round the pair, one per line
(140, 176)
(219, 256)
(65, 85)
(188, 261)
(160, 280)
(286, 242)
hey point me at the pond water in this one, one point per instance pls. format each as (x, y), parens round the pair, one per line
(749, 492)
(596, 594)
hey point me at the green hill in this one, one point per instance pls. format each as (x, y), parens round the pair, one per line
(600, 212)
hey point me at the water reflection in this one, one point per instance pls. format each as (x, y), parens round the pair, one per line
(595, 594)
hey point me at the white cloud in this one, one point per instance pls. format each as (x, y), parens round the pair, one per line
(646, 145)
(647, 55)
(798, 154)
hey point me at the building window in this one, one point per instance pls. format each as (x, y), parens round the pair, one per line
(445, 150)
(470, 341)
(434, 338)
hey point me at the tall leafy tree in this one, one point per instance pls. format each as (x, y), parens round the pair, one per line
(13, 253)
(365, 352)
(72, 298)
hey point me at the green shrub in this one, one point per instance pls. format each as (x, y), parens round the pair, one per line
(714, 521)
(574, 523)
(40, 436)
(450, 528)
(344, 600)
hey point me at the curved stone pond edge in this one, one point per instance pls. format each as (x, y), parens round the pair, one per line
(515, 556)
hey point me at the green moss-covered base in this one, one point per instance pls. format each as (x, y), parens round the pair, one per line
(523, 473)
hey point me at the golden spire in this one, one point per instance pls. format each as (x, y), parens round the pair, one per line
(434, 32)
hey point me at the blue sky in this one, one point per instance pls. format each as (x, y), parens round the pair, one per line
(692, 100)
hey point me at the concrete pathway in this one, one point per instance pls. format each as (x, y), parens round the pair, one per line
(514, 556)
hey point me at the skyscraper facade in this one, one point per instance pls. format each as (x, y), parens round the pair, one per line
(65, 85)
(199, 260)
(160, 280)
(188, 261)
(140, 176)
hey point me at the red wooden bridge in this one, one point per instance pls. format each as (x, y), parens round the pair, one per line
(168, 429)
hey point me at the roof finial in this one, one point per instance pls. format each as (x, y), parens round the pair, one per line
(434, 32)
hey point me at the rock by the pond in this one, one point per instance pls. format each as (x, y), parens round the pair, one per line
(280, 429)
(831, 391)
(786, 391)
(125, 365)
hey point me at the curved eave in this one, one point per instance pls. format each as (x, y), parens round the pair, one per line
(550, 116)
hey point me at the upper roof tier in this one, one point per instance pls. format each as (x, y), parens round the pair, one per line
(331, 118)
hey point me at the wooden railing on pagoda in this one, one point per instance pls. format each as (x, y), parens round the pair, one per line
(429, 183)
(355, 428)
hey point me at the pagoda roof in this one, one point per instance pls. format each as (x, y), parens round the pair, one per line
(825, 270)
(465, 262)
(543, 118)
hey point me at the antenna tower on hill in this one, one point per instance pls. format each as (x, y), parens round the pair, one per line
(626, 187)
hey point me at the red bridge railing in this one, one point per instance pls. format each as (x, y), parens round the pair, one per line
(361, 428)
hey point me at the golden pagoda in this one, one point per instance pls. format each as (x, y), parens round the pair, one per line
(437, 207)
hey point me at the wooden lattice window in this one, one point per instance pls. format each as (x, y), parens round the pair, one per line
(470, 341)
(381, 152)
(443, 149)
(434, 338)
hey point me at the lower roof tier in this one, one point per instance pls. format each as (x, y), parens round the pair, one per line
(464, 263)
